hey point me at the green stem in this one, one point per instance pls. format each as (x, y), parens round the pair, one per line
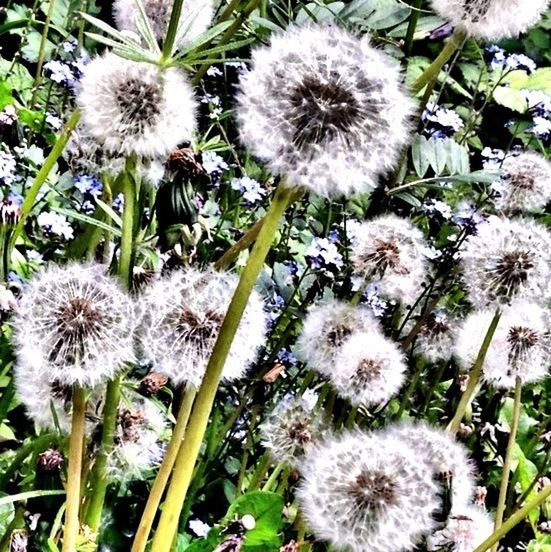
(172, 29)
(189, 450)
(515, 519)
(411, 387)
(127, 237)
(272, 480)
(41, 51)
(456, 41)
(474, 376)
(163, 475)
(260, 473)
(248, 446)
(29, 494)
(434, 384)
(508, 459)
(76, 447)
(43, 174)
(413, 20)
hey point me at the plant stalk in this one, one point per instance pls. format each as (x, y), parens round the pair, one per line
(412, 25)
(172, 30)
(41, 51)
(189, 450)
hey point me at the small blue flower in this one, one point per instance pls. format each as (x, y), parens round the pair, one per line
(252, 190)
(322, 253)
(88, 186)
(287, 357)
(441, 122)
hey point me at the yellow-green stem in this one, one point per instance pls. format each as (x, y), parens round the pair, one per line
(172, 30)
(456, 41)
(163, 475)
(41, 51)
(76, 447)
(189, 450)
(474, 376)
(508, 459)
(515, 519)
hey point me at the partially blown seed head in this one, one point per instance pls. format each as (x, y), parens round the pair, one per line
(436, 337)
(324, 109)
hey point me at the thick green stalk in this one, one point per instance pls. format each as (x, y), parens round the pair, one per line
(172, 31)
(189, 450)
(412, 25)
(76, 446)
(515, 519)
(456, 41)
(163, 475)
(508, 459)
(474, 376)
(41, 51)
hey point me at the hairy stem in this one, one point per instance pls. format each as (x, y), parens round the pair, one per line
(76, 447)
(474, 376)
(163, 475)
(189, 450)
(508, 459)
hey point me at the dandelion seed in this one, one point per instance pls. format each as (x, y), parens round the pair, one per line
(491, 19)
(507, 259)
(183, 314)
(73, 326)
(131, 107)
(324, 109)
(367, 492)
(436, 337)
(195, 18)
(391, 252)
(326, 328)
(519, 348)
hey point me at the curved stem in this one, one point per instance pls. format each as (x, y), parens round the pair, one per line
(163, 475)
(189, 450)
(456, 41)
(508, 459)
(474, 376)
(76, 447)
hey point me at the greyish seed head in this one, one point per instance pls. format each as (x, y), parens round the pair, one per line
(373, 491)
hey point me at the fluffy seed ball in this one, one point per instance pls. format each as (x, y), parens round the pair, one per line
(73, 326)
(367, 492)
(326, 328)
(182, 315)
(325, 109)
(390, 251)
(491, 19)
(519, 348)
(525, 184)
(292, 428)
(507, 259)
(133, 107)
(369, 369)
(436, 337)
(195, 18)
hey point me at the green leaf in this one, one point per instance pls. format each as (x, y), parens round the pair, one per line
(87, 220)
(6, 433)
(527, 472)
(510, 98)
(419, 156)
(541, 544)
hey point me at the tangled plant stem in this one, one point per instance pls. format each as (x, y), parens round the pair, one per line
(189, 450)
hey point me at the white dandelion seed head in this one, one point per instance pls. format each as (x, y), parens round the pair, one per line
(507, 259)
(436, 337)
(369, 369)
(315, 101)
(525, 184)
(491, 19)
(367, 492)
(291, 429)
(442, 456)
(74, 325)
(132, 107)
(326, 327)
(182, 315)
(195, 18)
(466, 528)
(390, 252)
(520, 346)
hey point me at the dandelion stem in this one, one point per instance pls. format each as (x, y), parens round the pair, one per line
(41, 51)
(515, 519)
(474, 376)
(412, 25)
(163, 475)
(127, 238)
(508, 459)
(189, 450)
(76, 447)
(456, 41)
(172, 30)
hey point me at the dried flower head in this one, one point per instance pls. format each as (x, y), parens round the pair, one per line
(326, 328)
(292, 428)
(390, 251)
(73, 326)
(465, 530)
(436, 337)
(525, 184)
(324, 109)
(520, 346)
(369, 369)
(132, 107)
(182, 315)
(442, 456)
(367, 492)
(491, 19)
(507, 259)
(195, 18)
